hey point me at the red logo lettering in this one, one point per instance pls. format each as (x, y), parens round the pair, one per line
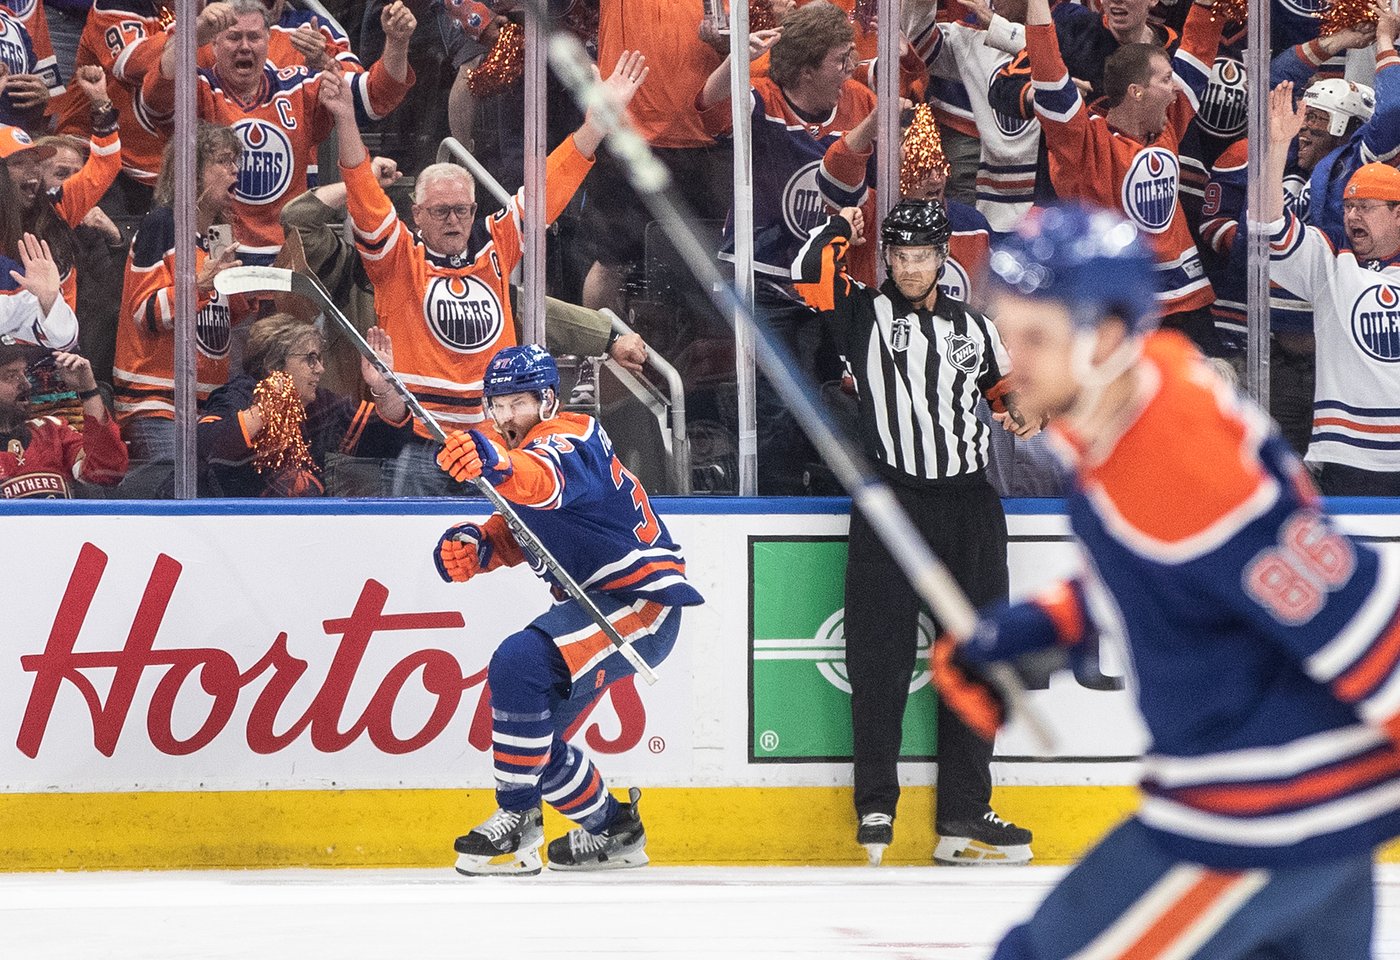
(221, 682)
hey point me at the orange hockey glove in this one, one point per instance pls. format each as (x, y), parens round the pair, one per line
(965, 689)
(469, 455)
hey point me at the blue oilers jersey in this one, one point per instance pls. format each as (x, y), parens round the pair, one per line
(1262, 643)
(593, 515)
(787, 152)
(1295, 21)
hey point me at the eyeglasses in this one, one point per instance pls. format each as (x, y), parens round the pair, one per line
(462, 211)
(849, 61)
(312, 358)
(1364, 206)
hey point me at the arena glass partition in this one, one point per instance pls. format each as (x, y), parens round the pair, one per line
(509, 129)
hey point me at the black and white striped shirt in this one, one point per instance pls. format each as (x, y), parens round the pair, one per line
(919, 374)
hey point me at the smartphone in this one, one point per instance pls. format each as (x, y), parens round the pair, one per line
(220, 238)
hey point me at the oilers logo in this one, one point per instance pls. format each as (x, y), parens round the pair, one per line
(211, 328)
(1375, 322)
(954, 281)
(463, 313)
(1008, 126)
(1304, 8)
(1222, 112)
(1149, 189)
(962, 352)
(265, 172)
(803, 208)
(12, 51)
(22, 8)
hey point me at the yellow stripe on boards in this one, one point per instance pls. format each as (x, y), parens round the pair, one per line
(415, 828)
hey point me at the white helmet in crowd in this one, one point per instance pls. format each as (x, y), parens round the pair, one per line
(1341, 100)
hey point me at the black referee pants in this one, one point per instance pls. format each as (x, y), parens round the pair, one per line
(966, 528)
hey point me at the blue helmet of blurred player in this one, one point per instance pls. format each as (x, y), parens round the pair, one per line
(521, 389)
(1074, 293)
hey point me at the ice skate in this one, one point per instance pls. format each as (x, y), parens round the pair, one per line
(989, 839)
(508, 843)
(875, 833)
(621, 844)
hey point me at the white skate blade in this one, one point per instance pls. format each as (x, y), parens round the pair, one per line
(965, 851)
(875, 852)
(520, 863)
(637, 858)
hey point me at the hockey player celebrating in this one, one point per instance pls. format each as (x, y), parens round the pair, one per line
(1263, 644)
(593, 515)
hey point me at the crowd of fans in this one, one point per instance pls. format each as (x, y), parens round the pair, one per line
(320, 124)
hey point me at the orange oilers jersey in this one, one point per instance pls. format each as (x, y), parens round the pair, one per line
(448, 315)
(281, 53)
(113, 39)
(1093, 162)
(143, 371)
(280, 127)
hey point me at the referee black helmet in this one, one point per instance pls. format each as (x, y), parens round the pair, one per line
(917, 223)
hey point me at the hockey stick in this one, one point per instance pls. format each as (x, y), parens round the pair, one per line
(869, 494)
(256, 279)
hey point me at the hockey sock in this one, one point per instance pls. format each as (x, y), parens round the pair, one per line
(574, 787)
(523, 677)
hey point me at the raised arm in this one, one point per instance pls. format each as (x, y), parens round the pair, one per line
(716, 89)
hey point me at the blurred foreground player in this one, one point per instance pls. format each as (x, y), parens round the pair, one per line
(593, 515)
(1262, 643)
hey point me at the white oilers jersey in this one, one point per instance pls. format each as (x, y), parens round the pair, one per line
(1356, 311)
(962, 64)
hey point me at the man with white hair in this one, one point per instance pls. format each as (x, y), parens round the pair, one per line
(442, 293)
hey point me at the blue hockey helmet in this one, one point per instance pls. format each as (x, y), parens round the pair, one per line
(1090, 259)
(520, 370)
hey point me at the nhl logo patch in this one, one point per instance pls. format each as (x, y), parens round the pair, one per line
(962, 352)
(899, 335)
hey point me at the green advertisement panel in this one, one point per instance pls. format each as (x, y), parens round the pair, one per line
(799, 695)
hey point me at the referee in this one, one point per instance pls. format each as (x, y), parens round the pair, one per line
(921, 361)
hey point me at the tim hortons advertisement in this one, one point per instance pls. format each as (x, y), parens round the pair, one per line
(274, 651)
(225, 647)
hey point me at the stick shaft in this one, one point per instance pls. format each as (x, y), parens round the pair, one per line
(244, 279)
(652, 182)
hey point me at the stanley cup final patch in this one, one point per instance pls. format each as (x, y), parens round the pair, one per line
(899, 334)
(962, 352)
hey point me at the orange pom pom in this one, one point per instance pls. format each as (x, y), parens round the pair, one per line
(1231, 11)
(503, 66)
(922, 154)
(280, 446)
(1341, 14)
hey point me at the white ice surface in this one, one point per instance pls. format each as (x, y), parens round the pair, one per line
(908, 913)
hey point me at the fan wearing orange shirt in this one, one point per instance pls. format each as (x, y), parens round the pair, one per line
(276, 112)
(442, 295)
